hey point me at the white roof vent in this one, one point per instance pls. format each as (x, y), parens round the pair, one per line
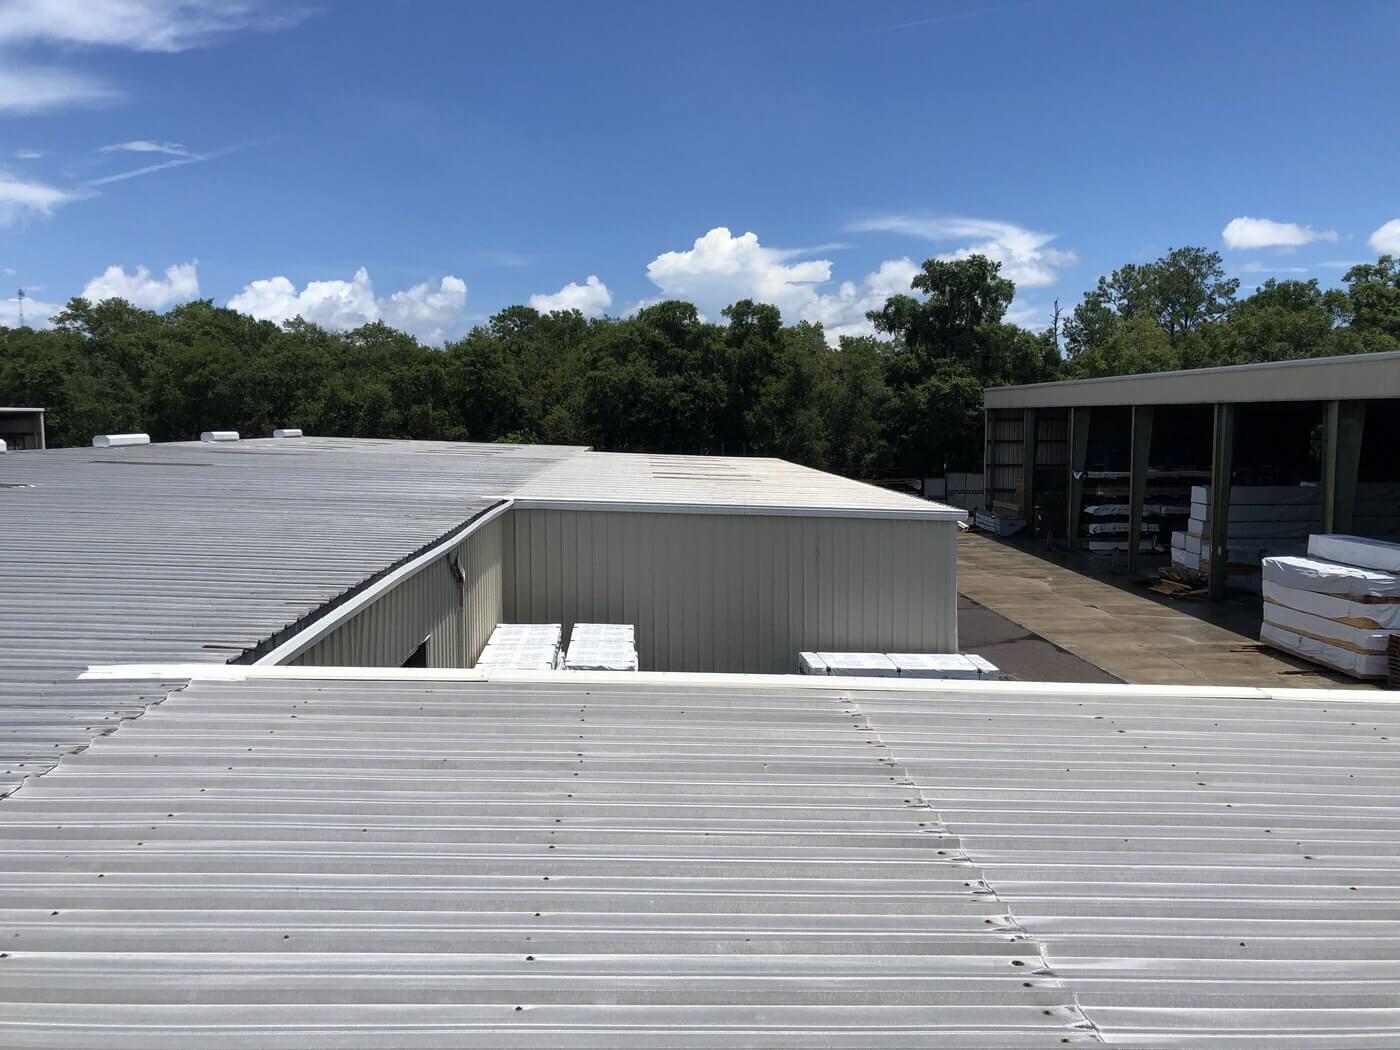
(290, 432)
(219, 435)
(114, 440)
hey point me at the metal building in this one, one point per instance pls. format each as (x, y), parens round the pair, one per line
(371, 553)
(1331, 422)
(22, 429)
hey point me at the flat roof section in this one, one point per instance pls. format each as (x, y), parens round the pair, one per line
(718, 485)
(1313, 379)
(339, 858)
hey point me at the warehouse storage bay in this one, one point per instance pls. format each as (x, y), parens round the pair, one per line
(1217, 467)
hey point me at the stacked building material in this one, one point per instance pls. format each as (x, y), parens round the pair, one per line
(601, 647)
(1275, 521)
(1337, 606)
(998, 523)
(902, 665)
(522, 647)
(1105, 515)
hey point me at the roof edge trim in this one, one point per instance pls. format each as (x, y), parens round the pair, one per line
(671, 679)
(934, 512)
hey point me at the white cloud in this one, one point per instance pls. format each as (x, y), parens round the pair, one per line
(1245, 233)
(37, 89)
(721, 269)
(139, 288)
(28, 154)
(146, 146)
(591, 298)
(843, 313)
(423, 311)
(1254, 266)
(139, 25)
(426, 312)
(37, 313)
(1386, 240)
(1025, 255)
(21, 199)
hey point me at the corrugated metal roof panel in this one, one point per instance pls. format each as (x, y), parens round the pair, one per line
(201, 552)
(283, 863)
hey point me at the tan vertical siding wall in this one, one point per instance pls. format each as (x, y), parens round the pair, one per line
(736, 593)
(456, 617)
(481, 564)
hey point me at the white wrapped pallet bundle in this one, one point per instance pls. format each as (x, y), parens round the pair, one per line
(859, 665)
(1365, 553)
(601, 647)
(1382, 615)
(1359, 665)
(934, 665)
(1366, 640)
(522, 647)
(1326, 577)
(811, 663)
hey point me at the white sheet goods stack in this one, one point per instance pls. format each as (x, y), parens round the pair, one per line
(1337, 606)
(601, 647)
(522, 647)
(900, 665)
(1273, 521)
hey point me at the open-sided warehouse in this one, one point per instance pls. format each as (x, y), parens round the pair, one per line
(1240, 462)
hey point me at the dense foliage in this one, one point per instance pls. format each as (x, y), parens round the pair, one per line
(907, 401)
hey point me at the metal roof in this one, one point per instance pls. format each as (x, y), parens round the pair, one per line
(342, 858)
(208, 551)
(716, 484)
(200, 552)
(1310, 379)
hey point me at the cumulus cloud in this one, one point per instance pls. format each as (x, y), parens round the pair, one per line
(721, 268)
(180, 285)
(1025, 255)
(26, 198)
(842, 313)
(138, 25)
(1245, 233)
(591, 298)
(1386, 240)
(38, 89)
(424, 311)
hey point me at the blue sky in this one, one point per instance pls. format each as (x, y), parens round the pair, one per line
(430, 163)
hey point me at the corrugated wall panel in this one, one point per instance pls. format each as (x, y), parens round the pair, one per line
(456, 617)
(716, 592)
(481, 557)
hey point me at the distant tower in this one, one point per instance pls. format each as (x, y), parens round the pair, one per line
(21, 307)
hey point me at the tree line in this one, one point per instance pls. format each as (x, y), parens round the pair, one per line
(907, 401)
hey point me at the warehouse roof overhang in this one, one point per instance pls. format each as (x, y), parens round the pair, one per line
(1314, 379)
(340, 857)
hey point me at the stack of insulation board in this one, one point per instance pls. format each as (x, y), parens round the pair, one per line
(997, 523)
(601, 647)
(522, 647)
(1274, 521)
(1265, 520)
(1337, 606)
(902, 665)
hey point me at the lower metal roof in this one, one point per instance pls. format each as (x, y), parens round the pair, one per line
(343, 858)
